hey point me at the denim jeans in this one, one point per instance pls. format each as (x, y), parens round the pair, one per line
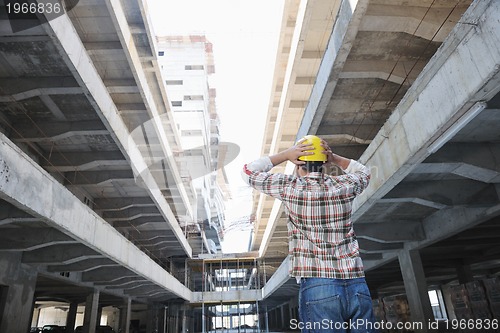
(335, 305)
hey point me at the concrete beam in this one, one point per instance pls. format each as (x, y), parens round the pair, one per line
(38, 92)
(156, 243)
(11, 214)
(382, 69)
(444, 224)
(340, 44)
(120, 282)
(107, 274)
(418, 201)
(57, 207)
(81, 161)
(58, 130)
(97, 178)
(14, 86)
(140, 221)
(17, 239)
(124, 284)
(449, 193)
(280, 277)
(451, 221)
(59, 254)
(229, 296)
(370, 246)
(371, 256)
(117, 204)
(414, 130)
(415, 19)
(390, 232)
(146, 290)
(130, 213)
(83, 265)
(148, 235)
(461, 169)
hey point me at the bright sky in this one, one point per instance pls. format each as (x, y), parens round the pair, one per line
(245, 36)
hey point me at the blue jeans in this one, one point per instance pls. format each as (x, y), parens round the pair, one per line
(335, 305)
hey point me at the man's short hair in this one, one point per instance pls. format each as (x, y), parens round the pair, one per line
(313, 166)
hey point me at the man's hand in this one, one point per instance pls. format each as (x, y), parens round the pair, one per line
(293, 153)
(342, 162)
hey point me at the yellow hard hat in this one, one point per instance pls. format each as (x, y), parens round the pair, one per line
(318, 155)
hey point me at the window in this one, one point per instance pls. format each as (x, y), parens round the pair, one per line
(193, 97)
(193, 67)
(161, 53)
(174, 82)
(437, 304)
(176, 103)
(191, 133)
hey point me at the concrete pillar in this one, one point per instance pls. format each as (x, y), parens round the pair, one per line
(17, 283)
(188, 320)
(125, 312)
(266, 315)
(416, 288)
(156, 318)
(162, 317)
(71, 319)
(91, 309)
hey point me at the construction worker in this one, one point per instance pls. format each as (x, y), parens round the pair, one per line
(323, 249)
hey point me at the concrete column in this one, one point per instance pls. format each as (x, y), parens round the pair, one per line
(125, 312)
(187, 325)
(71, 319)
(266, 315)
(17, 295)
(154, 318)
(91, 309)
(162, 316)
(416, 288)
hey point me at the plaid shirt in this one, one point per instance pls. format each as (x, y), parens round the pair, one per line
(322, 242)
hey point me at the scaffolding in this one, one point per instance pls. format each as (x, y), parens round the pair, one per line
(227, 289)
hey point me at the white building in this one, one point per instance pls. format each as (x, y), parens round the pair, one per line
(186, 62)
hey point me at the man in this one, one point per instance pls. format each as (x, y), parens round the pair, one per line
(323, 248)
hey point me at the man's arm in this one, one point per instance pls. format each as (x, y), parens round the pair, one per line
(256, 173)
(359, 172)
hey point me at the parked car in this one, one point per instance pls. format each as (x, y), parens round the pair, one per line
(104, 329)
(99, 329)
